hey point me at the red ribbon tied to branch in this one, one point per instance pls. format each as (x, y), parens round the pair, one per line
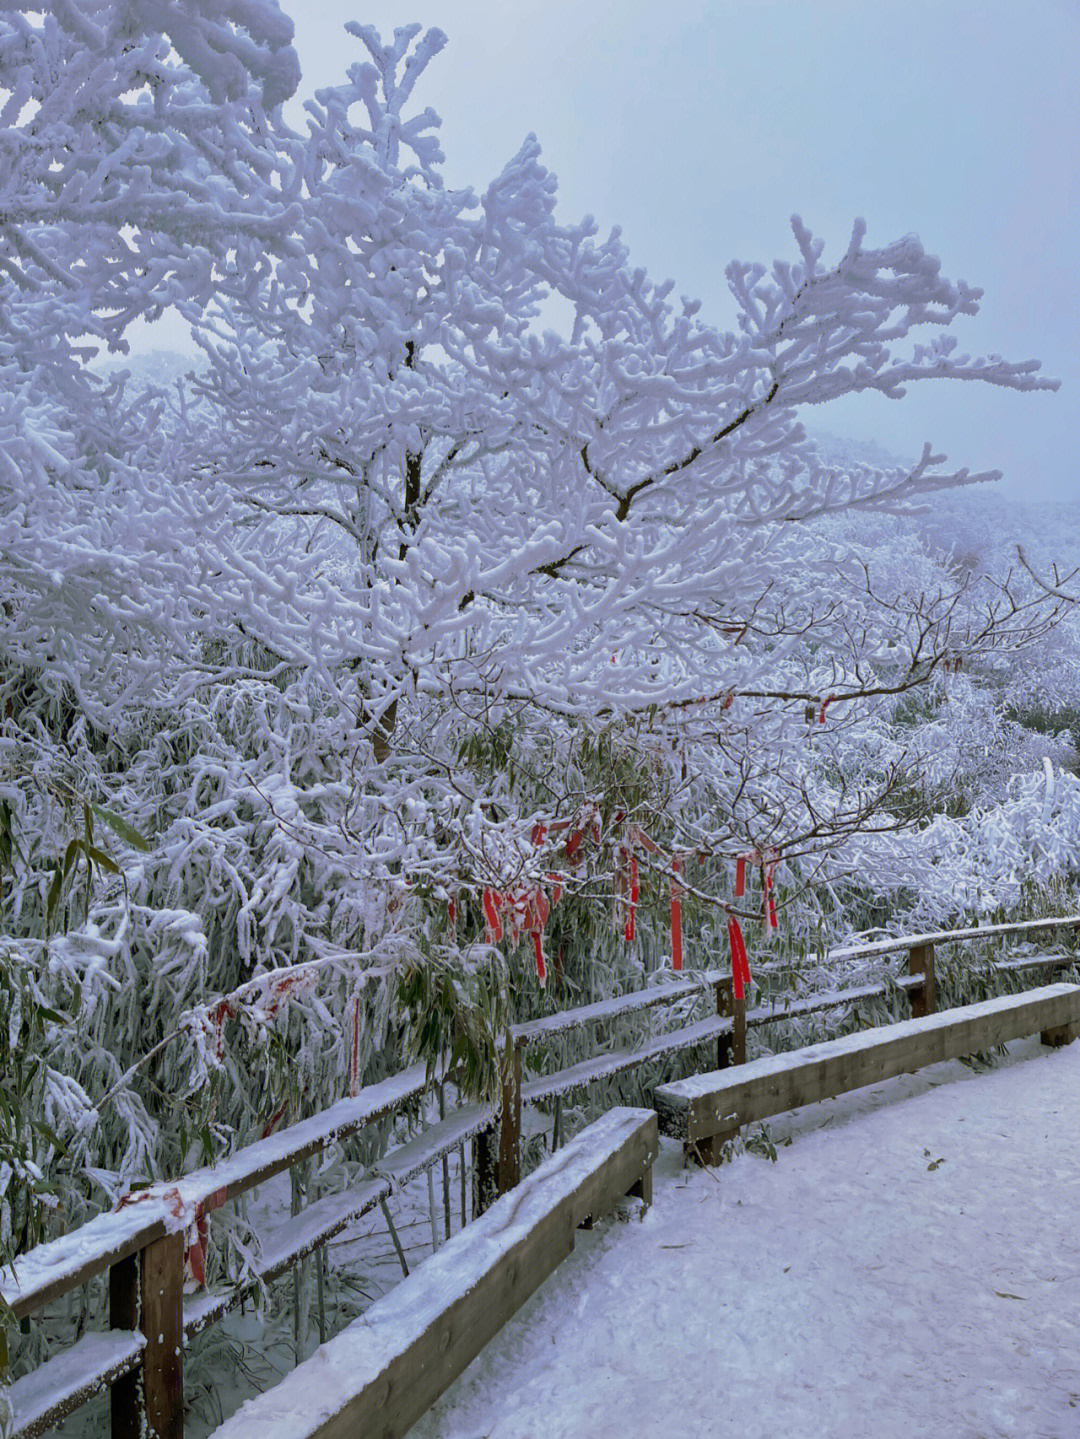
(197, 1249)
(768, 872)
(492, 905)
(676, 915)
(536, 917)
(635, 895)
(740, 965)
(768, 860)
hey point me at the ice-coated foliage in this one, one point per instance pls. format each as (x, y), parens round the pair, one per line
(468, 565)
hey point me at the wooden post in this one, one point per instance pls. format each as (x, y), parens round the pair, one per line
(1060, 1034)
(923, 999)
(485, 1146)
(738, 1046)
(508, 1167)
(643, 1188)
(730, 1049)
(463, 1178)
(445, 1167)
(723, 1007)
(146, 1292)
(710, 1150)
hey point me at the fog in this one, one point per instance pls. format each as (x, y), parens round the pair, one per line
(700, 126)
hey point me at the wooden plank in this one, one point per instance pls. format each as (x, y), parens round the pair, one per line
(949, 936)
(830, 999)
(380, 1375)
(605, 1066)
(705, 1105)
(1035, 961)
(537, 1031)
(419, 1153)
(321, 1220)
(289, 1243)
(64, 1383)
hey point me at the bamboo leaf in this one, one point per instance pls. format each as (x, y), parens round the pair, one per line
(119, 826)
(99, 857)
(54, 893)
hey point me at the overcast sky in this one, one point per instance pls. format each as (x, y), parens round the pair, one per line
(700, 126)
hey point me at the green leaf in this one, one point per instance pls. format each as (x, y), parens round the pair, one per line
(51, 1135)
(100, 857)
(119, 826)
(54, 893)
(70, 855)
(52, 1014)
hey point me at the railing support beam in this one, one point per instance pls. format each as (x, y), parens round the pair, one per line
(923, 999)
(508, 1166)
(146, 1292)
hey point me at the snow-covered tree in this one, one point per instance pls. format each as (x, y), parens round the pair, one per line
(493, 470)
(470, 565)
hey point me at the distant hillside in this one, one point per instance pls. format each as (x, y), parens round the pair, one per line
(839, 450)
(153, 367)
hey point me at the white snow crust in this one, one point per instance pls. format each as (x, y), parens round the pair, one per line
(904, 1269)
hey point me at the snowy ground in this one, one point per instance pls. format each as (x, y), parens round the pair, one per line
(910, 1266)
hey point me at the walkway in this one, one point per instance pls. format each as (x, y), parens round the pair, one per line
(910, 1266)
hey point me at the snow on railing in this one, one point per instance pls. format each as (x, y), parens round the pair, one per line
(144, 1246)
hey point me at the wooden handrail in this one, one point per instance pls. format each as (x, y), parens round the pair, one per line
(152, 1221)
(51, 1269)
(949, 936)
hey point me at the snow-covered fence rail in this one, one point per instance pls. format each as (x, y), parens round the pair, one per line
(142, 1244)
(381, 1373)
(729, 1026)
(709, 1109)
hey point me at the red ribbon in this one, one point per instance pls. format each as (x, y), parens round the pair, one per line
(676, 916)
(541, 967)
(768, 870)
(536, 917)
(635, 894)
(740, 965)
(197, 1249)
(492, 901)
(274, 1120)
(354, 1057)
(740, 876)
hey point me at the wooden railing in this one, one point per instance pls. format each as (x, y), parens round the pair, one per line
(142, 1244)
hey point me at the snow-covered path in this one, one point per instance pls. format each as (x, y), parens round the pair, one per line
(910, 1266)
